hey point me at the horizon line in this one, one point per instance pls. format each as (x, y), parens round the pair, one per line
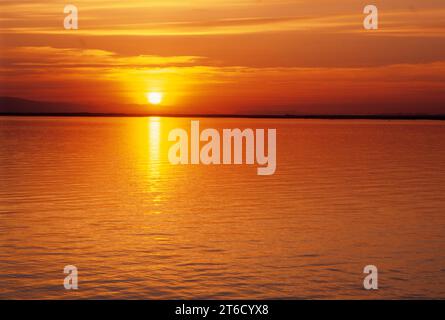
(439, 117)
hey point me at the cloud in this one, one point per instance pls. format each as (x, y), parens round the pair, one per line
(60, 58)
(104, 77)
(192, 18)
(236, 55)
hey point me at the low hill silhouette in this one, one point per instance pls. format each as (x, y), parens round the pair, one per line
(21, 107)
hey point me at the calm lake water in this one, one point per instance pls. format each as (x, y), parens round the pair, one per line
(100, 194)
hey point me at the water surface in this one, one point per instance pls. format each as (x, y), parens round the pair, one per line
(100, 194)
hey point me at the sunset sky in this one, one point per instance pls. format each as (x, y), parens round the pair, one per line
(227, 56)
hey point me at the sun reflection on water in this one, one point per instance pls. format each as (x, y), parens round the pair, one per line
(154, 140)
(154, 162)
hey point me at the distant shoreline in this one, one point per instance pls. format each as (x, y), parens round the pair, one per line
(245, 116)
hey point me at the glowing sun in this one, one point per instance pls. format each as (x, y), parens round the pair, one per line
(154, 97)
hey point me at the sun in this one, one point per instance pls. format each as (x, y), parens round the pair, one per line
(154, 97)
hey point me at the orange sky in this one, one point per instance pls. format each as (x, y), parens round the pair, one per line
(227, 56)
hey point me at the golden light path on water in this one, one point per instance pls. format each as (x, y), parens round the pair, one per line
(154, 139)
(154, 142)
